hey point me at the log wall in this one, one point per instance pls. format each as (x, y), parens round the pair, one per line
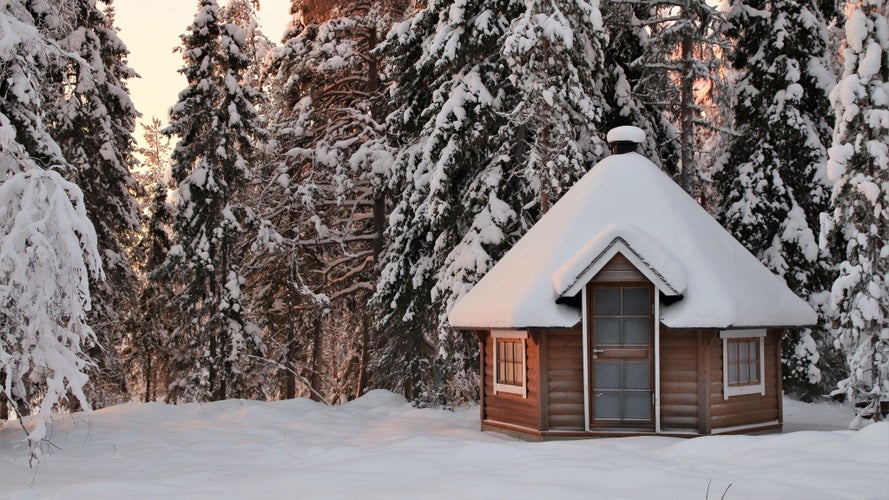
(513, 408)
(564, 384)
(680, 372)
(746, 409)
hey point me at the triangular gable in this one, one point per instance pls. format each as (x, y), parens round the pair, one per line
(649, 257)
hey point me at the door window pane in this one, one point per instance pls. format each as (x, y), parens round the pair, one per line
(637, 331)
(607, 375)
(607, 330)
(637, 405)
(636, 301)
(607, 405)
(637, 375)
(607, 302)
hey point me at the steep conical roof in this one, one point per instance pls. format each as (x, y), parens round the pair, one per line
(625, 203)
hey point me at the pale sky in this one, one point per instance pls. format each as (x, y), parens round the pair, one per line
(151, 29)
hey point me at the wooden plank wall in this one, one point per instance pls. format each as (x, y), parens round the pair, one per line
(564, 362)
(679, 379)
(513, 408)
(749, 408)
(619, 270)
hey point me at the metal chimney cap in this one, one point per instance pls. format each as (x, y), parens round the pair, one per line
(626, 133)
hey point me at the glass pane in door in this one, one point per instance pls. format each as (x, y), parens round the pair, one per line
(608, 405)
(637, 405)
(637, 375)
(607, 302)
(637, 331)
(608, 375)
(636, 301)
(607, 331)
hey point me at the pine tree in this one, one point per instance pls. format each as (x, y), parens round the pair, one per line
(92, 120)
(682, 42)
(155, 162)
(242, 13)
(48, 247)
(633, 90)
(147, 342)
(330, 146)
(554, 54)
(466, 180)
(773, 184)
(857, 227)
(215, 120)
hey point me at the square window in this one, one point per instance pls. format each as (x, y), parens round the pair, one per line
(743, 364)
(510, 373)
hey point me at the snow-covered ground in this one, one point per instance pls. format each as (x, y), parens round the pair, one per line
(381, 447)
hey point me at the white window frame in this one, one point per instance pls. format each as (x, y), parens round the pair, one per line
(739, 390)
(521, 390)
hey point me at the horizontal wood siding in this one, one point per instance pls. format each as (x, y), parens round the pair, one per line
(679, 379)
(564, 361)
(618, 270)
(513, 408)
(749, 408)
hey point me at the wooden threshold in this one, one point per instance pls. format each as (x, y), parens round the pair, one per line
(529, 434)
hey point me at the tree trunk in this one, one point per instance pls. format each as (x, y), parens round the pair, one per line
(545, 182)
(687, 116)
(365, 355)
(290, 362)
(317, 358)
(146, 373)
(212, 369)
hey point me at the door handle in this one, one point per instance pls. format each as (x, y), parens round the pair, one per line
(596, 351)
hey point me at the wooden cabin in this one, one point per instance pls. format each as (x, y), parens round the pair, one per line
(628, 310)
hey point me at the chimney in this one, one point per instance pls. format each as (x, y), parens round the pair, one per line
(625, 139)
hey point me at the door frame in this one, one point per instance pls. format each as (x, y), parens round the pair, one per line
(587, 358)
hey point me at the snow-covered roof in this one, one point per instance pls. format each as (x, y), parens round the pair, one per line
(626, 204)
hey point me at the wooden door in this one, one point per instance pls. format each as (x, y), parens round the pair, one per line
(621, 329)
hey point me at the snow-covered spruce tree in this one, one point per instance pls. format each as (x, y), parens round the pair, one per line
(215, 121)
(146, 346)
(857, 227)
(145, 350)
(773, 185)
(464, 179)
(554, 55)
(257, 45)
(681, 72)
(92, 118)
(324, 194)
(48, 247)
(632, 88)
